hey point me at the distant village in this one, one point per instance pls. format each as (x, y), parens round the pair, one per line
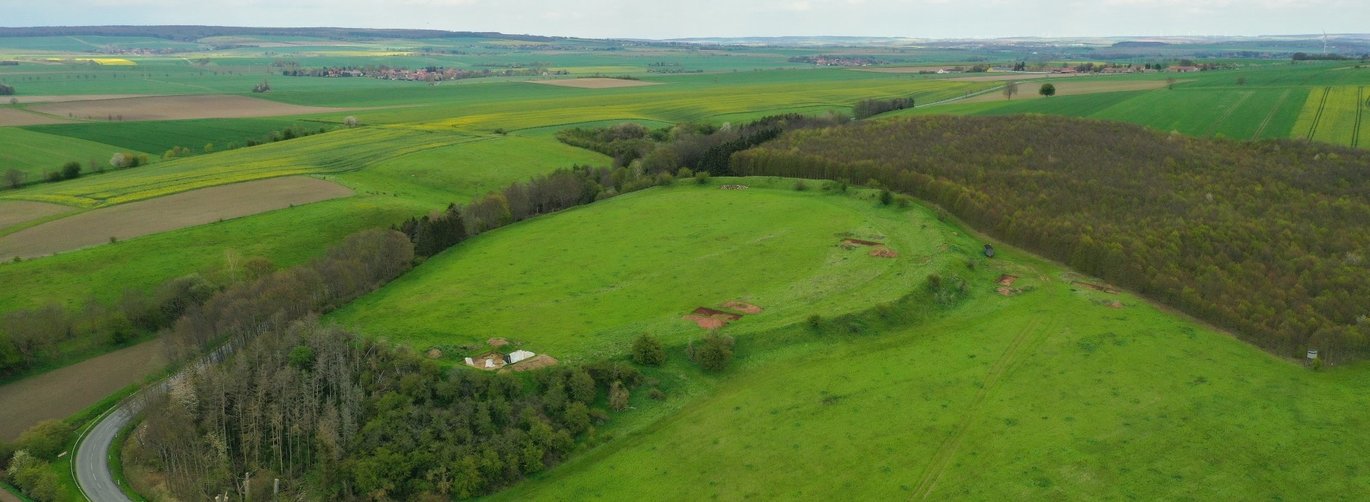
(1182, 66)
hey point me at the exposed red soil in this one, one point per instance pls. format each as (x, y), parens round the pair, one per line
(859, 242)
(708, 318)
(1006, 291)
(1116, 304)
(743, 307)
(1007, 280)
(884, 252)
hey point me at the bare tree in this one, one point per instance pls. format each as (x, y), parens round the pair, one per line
(14, 178)
(1010, 89)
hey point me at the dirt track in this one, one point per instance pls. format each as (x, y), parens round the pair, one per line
(175, 108)
(594, 83)
(196, 207)
(63, 392)
(14, 212)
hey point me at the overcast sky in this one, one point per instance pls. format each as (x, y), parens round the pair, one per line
(713, 18)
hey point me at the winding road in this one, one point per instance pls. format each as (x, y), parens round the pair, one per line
(93, 475)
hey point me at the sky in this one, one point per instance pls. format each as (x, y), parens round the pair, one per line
(657, 19)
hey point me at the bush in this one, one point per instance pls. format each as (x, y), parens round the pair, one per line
(71, 170)
(618, 396)
(886, 198)
(33, 476)
(46, 439)
(799, 185)
(702, 177)
(713, 353)
(648, 351)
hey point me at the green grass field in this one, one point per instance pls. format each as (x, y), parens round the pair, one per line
(583, 283)
(1052, 393)
(36, 153)
(156, 137)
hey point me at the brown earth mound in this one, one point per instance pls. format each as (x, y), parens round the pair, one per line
(196, 207)
(1007, 280)
(859, 242)
(884, 252)
(743, 307)
(434, 353)
(497, 342)
(1098, 287)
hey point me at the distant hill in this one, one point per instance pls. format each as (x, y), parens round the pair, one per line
(190, 33)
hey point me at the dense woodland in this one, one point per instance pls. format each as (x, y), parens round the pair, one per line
(334, 415)
(1267, 239)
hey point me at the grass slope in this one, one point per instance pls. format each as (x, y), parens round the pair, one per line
(37, 153)
(1053, 393)
(585, 282)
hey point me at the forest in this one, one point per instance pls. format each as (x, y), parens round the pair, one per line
(334, 415)
(1265, 239)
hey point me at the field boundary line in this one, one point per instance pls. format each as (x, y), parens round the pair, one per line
(1213, 127)
(1360, 112)
(1317, 116)
(1030, 335)
(1271, 114)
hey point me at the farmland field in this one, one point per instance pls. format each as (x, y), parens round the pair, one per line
(879, 353)
(197, 207)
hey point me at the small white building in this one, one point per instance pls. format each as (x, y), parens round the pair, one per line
(519, 355)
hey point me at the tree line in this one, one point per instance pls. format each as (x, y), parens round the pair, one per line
(868, 108)
(1267, 239)
(698, 147)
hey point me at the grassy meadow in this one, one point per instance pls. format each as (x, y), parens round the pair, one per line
(581, 284)
(1059, 391)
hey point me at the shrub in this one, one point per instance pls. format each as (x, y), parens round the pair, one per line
(799, 185)
(71, 170)
(713, 353)
(886, 198)
(702, 177)
(618, 396)
(648, 351)
(46, 439)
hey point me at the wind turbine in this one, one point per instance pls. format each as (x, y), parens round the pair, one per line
(1324, 42)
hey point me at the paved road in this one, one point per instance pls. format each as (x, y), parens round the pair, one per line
(92, 468)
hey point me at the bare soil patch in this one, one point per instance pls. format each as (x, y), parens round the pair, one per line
(497, 342)
(17, 117)
(1098, 287)
(14, 212)
(858, 242)
(434, 353)
(175, 108)
(1007, 280)
(63, 392)
(594, 83)
(196, 207)
(708, 318)
(536, 362)
(884, 252)
(741, 306)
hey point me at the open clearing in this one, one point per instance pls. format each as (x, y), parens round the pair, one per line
(63, 392)
(14, 212)
(1029, 91)
(572, 285)
(17, 117)
(162, 214)
(176, 108)
(595, 83)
